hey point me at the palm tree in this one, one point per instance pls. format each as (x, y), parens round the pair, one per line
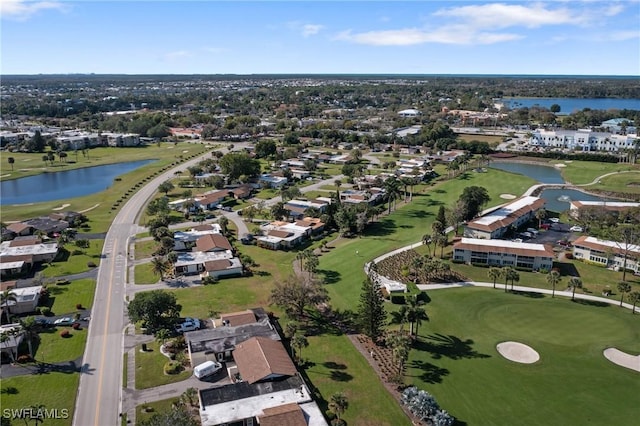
(298, 342)
(415, 313)
(515, 277)
(623, 288)
(190, 396)
(11, 160)
(400, 344)
(634, 298)
(162, 335)
(401, 316)
(6, 297)
(553, 278)
(494, 273)
(574, 282)
(506, 274)
(28, 326)
(541, 214)
(338, 404)
(159, 266)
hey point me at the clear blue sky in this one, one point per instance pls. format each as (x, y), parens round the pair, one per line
(318, 37)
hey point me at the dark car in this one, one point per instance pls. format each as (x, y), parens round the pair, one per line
(43, 322)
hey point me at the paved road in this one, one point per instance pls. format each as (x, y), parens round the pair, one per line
(99, 394)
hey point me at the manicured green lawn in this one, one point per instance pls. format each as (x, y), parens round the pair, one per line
(595, 279)
(54, 348)
(336, 366)
(581, 172)
(156, 407)
(343, 265)
(74, 263)
(145, 249)
(53, 390)
(66, 297)
(144, 274)
(150, 368)
(623, 182)
(456, 360)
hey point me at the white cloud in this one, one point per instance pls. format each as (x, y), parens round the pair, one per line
(623, 35)
(311, 29)
(486, 23)
(414, 36)
(21, 10)
(305, 30)
(215, 49)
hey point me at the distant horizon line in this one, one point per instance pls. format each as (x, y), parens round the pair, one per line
(319, 75)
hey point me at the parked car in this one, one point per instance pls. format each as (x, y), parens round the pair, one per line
(576, 228)
(189, 324)
(247, 239)
(554, 219)
(64, 321)
(43, 322)
(545, 226)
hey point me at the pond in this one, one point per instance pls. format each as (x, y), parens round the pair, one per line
(65, 184)
(569, 105)
(558, 200)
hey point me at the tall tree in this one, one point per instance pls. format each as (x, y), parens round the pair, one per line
(494, 273)
(11, 160)
(166, 187)
(158, 309)
(574, 283)
(295, 295)
(298, 342)
(29, 327)
(553, 278)
(541, 214)
(6, 297)
(338, 404)
(371, 313)
(415, 314)
(400, 344)
(634, 298)
(159, 266)
(474, 199)
(623, 288)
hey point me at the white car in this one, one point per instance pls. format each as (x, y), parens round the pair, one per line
(554, 219)
(576, 228)
(189, 324)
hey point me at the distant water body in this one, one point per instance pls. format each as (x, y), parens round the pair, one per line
(569, 105)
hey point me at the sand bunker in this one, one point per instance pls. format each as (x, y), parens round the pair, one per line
(622, 359)
(507, 196)
(518, 352)
(4, 176)
(64, 206)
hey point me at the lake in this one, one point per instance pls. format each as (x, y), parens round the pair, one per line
(569, 105)
(64, 185)
(558, 200)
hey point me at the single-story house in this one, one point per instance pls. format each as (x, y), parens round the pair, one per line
(210, 200)
(271, 181)
(509, 216)
(504, 253)
(14, 337)
(222, 268)
(285, 402)
(213, 242)
(22, 253)
(242, 192)
(193, 262)
(47, 225)
(216, 344)
(20, 228)
(186, 240)
(607, 253)
(262, 359)
(27, 299)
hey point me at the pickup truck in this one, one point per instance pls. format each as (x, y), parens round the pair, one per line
(189, 324)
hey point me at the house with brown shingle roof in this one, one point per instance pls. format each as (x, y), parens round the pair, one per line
(222, 267)
(260, 358)
(20, 228)
(283, 415)
(210, 200)
(242, 192)
(235, 319)
(212, 242)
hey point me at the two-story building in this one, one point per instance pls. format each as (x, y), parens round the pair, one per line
(504, 253)
(496, 223)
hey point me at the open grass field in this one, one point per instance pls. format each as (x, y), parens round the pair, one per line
(65, 297)
(455, 359)
(53, 390)
(581, 172)
(100, 208)
(53, 348)
(336, 366)
(492, 140)
(156, 407)
(595, 279)
(623, 182)
(343, 265)
(74, 263)
(150, 368)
